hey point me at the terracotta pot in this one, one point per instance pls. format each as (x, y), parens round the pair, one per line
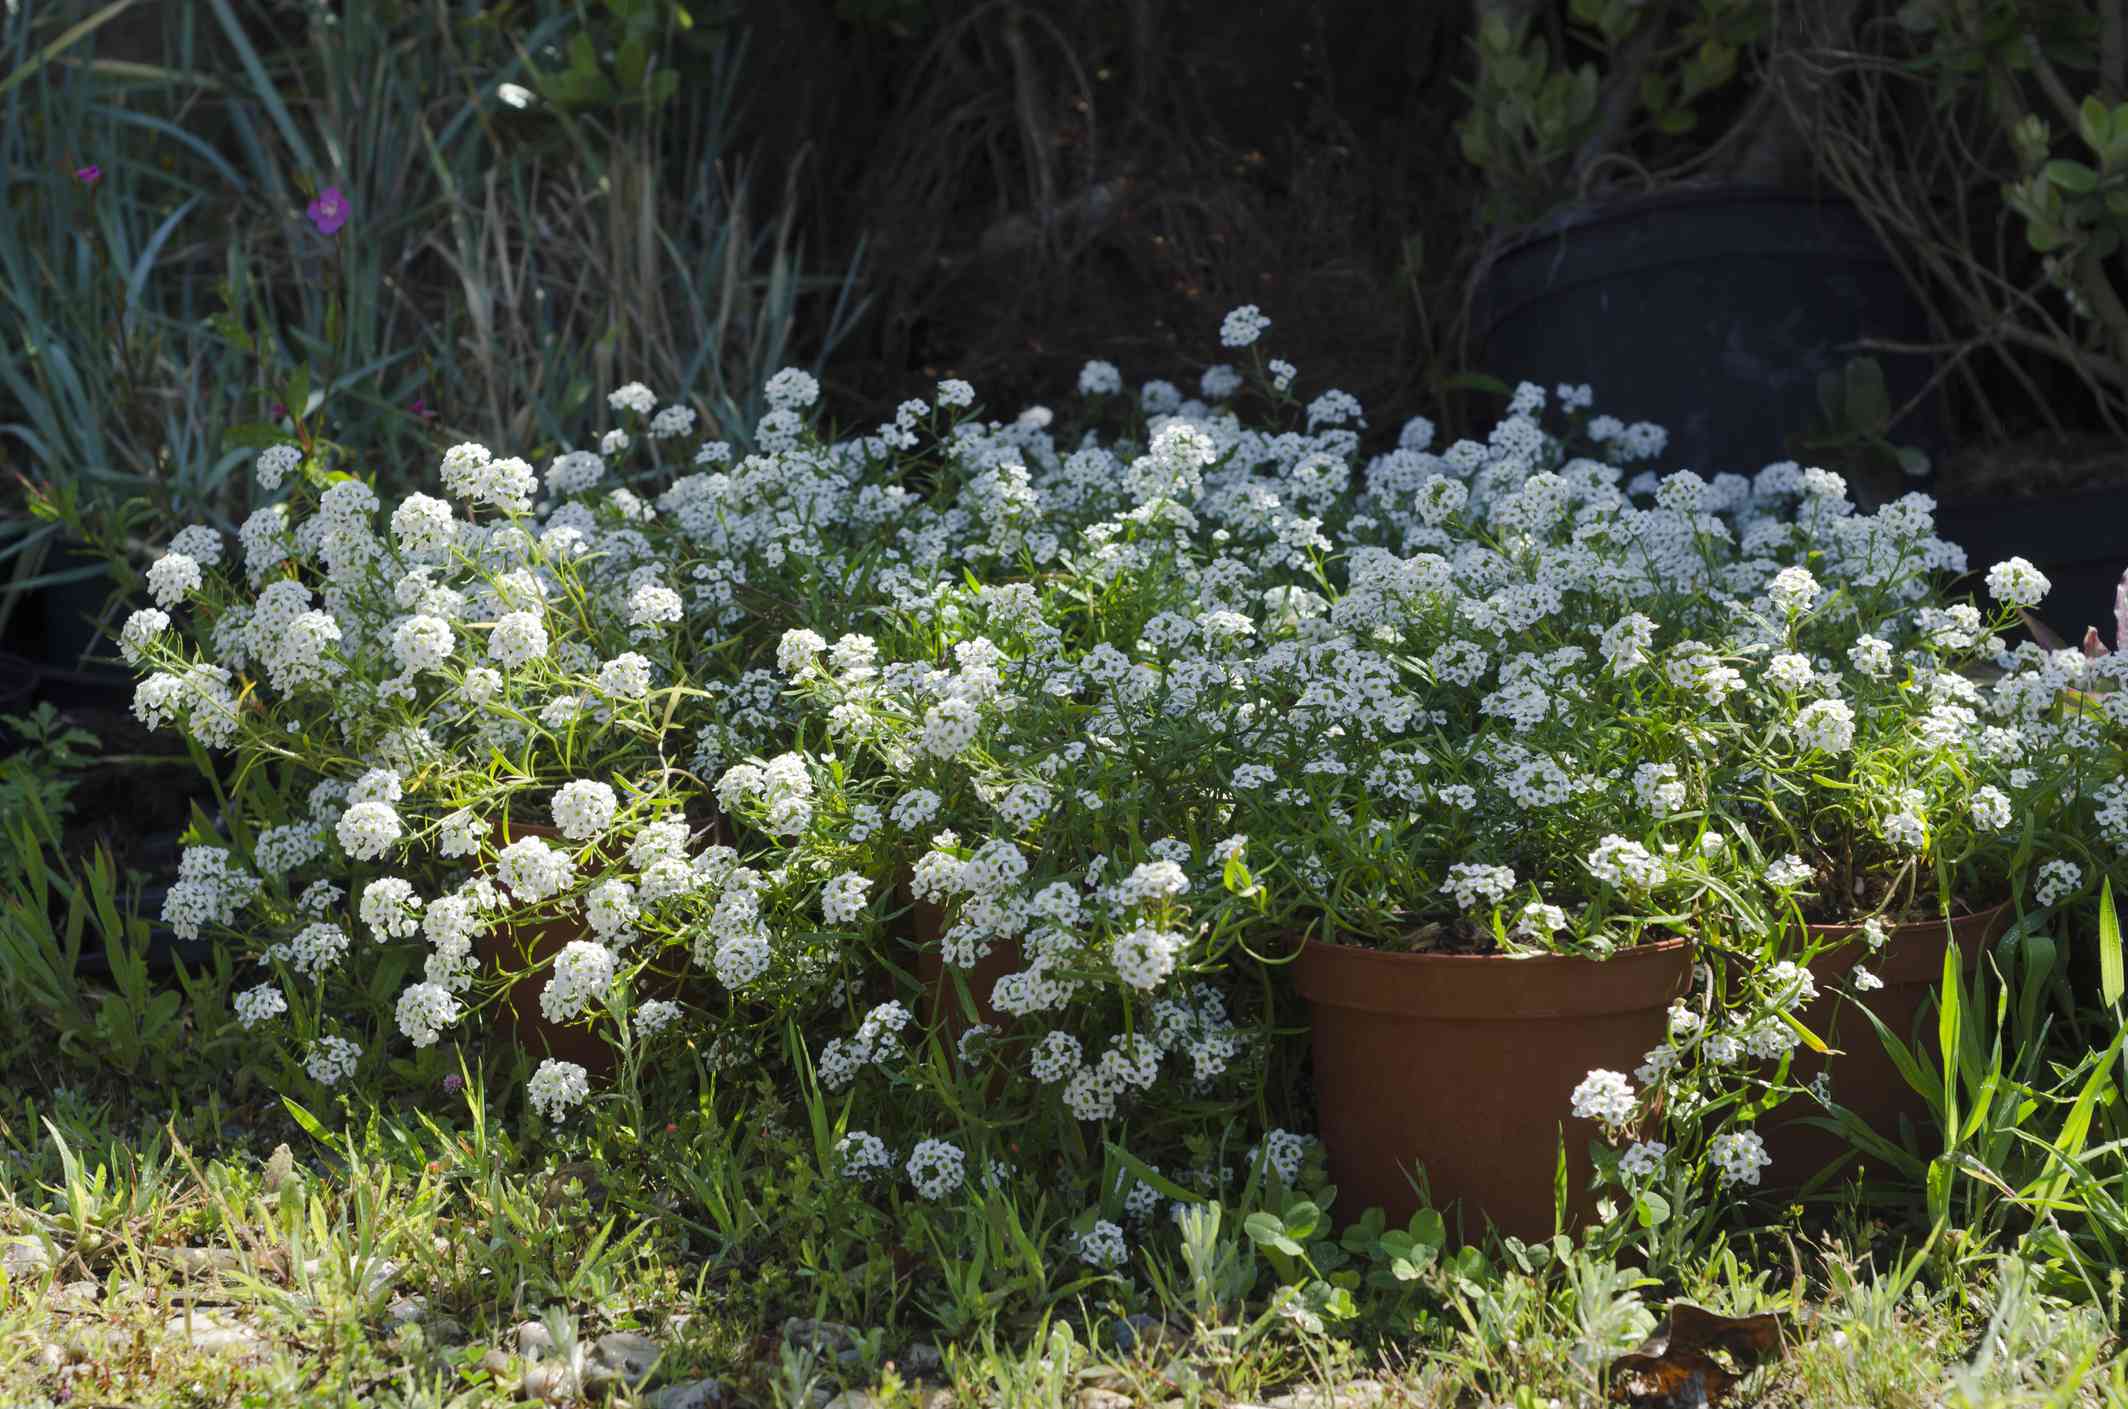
(926, 925)
(1864, 1077)
(1464, 1064)
(520, 947)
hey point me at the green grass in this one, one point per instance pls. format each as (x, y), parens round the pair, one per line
(191, 1253)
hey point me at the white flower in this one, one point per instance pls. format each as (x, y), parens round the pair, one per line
(1622, 862)
(655, 1016)
(274, 463)
(2016, 583)
(1738, 1155)
(141, 629)
(955, 392)
(1146, 956)
(797, 654)
(583, 808)
(1865, 981)
(1642, 1158)
(517, 638)
(388, 906)
(583, 971)
(1103, 1245)
(1281, 1152)
(936, 1168)
(424, 1010)
(1991, 809)
(672, 422)
(424, 527)
(1789, 985)
(1788, 872)
(1789, 671)
(1793, 590)
(633, 397)
(1242, 326)
(2057, 881)
(480, 685)
(1151, 881)
(557, 1087)
(422, 643)
(534, 870)
(369, 829)
(171, 576)
(1827, 726)
(791, 390)
(861, 1154)
(459, 834)
(626, 676)
(1468, 881)
(842, 900)
(256, 1005)
(1907, 830)
(1098, 378)
(1604, 1096)
(653, 605)
(1871, 656)
(331, 1060)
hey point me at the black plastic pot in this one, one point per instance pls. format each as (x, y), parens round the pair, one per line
(2079, 540)
(1710, 312)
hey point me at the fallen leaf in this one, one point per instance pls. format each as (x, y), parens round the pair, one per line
(1680, 1364)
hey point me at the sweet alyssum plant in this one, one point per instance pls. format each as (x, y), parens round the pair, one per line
(1125, 713)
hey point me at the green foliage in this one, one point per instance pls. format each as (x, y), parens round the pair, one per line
(1629, 82)
(37, 779)
(1857, 416)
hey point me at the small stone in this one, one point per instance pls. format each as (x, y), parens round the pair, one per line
(376, 1276)
(444, 1330)
(1356, 1395)
(496, 1362)
(1097, 1398)
(79, 1295)
(199, 1262)
(922, 1358)
(405, 1308)
(533, 1340)
(820, 1337)
(853, 1399)
(210, 1332)
(701, 1394)
(1135, 1328)
(24, 1258)
(623, 1355)
(547, 1381)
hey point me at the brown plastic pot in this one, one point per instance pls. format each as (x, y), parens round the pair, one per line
(1463, 1064)
(1865, 1079)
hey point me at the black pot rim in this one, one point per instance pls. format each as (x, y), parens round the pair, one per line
(1604, 210)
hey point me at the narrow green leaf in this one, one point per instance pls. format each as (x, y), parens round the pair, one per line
(309, 1122)
(2109, 945)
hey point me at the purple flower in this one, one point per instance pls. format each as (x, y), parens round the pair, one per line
(88, 175)
(329, 211)
(453, 1084)
(419, 408)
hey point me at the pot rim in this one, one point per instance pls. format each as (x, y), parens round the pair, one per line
(1984, 917)
(1486, 988)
